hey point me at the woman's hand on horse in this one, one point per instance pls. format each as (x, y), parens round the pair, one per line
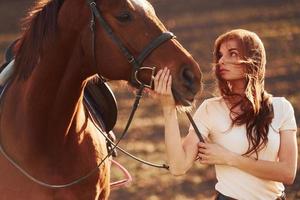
(162, 87)
(210, 153)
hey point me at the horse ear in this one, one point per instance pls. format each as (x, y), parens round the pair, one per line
(10, 51)
(6, 72)
(9, 55)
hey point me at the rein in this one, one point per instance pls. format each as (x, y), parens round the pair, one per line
(96, 120)
(137, 66)
(82, 178)
(195, 127)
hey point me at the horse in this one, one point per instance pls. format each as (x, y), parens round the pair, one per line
(44, 125)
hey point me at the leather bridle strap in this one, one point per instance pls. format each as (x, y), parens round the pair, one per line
(136, 63)
(146, 52)
(96, 14)
(87, 175)
(97, 121)
(154, 44)
(195, 127)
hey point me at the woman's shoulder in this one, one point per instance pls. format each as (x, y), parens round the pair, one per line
(213, 104)
(284, 118)
(278, 99)
(214, 114)
(281, 103)
(213, 100)
(281, 107)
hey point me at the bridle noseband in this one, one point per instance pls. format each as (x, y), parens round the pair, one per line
(136, 63)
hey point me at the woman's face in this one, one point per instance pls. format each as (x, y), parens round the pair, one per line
(230, 67)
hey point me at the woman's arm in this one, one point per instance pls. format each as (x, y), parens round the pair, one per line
(180, 155)
(283, 170)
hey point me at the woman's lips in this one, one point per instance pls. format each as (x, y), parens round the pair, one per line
(223, 70)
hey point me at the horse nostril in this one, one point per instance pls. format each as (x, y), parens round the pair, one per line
(188, 77)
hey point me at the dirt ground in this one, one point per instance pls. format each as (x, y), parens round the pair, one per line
(196, 24)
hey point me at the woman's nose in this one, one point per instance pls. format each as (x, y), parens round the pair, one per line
(221, 60)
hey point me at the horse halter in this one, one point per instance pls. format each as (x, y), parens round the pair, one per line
(135, 62)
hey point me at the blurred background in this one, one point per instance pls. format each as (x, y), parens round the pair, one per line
(196, 23)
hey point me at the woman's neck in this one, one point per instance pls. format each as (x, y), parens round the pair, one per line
(238, 86)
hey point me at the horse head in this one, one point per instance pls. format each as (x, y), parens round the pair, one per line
(136, 28)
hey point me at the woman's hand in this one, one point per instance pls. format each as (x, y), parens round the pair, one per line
(209, 153)
(162, 87)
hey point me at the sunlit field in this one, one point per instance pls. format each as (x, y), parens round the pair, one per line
(196, 24)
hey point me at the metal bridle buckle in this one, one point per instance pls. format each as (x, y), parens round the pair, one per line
(131, 59)
(93, 3)
(152, 76)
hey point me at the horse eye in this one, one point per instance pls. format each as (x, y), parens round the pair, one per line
(124, 17)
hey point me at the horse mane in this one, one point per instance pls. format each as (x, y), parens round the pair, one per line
(39, 28)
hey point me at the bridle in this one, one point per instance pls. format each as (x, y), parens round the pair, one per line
(136, 63)
(137, 66)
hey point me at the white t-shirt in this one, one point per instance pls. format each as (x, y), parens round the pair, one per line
(213, 121)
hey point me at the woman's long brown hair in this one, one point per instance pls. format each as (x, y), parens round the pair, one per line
(257, 110)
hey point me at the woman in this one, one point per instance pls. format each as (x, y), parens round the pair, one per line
(250, 135)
